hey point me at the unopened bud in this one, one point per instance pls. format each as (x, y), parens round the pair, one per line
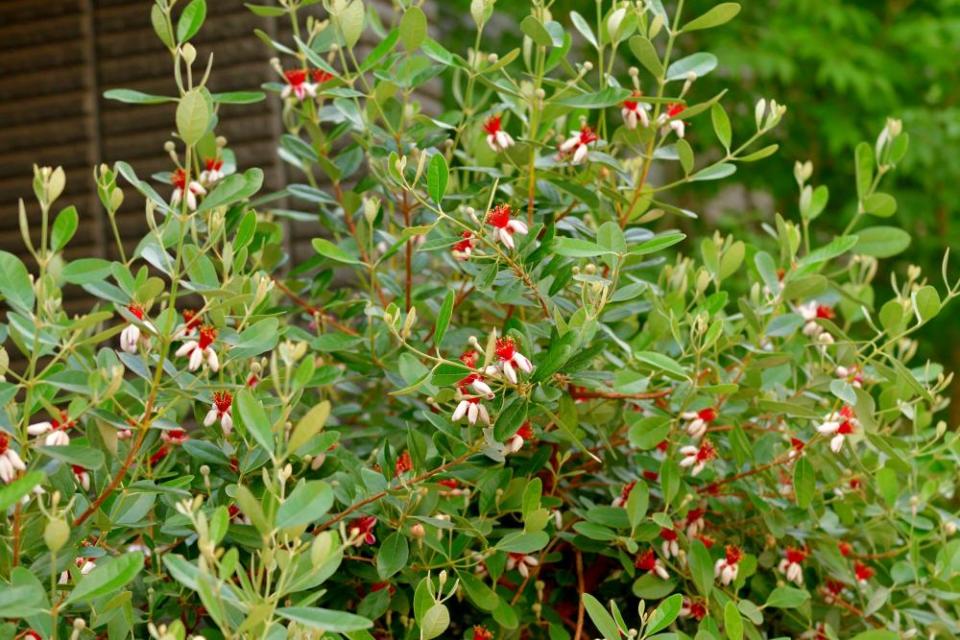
(188, 53)
(371, 207)
(56, 534)
(417, 530)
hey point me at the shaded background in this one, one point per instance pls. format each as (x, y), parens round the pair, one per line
(841, 66)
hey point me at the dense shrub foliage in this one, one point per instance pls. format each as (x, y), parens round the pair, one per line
(507, 398)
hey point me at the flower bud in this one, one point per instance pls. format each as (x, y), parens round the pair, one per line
(417, 530)
(56, 533)
(371, 207)
(188, 53)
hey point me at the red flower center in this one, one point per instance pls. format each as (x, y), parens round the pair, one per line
(707, 415)
(632, 104)
(706, 452)
(668, 534)
(213, 164)
(675, 109)
(506, 348)
(499, 216)
(695, 514)
(466, 243)
(733, 554)
(825, 312)
(295, 77)
(492, 125)
(862, 571)
(223, 400)
(846, 428)
(525, 431)
(482, 633)
(698, 610)
(587, 135)
(135, 310)
(797, 444)
(320, 76)
(449, 483)
(179, 179)
(844, 548)
(646, 561)
(77, 469)
(627, 488)
(4, 443)
(191, 319)
(795, 556)
(207, 335)
(469, 358)
(404, 463)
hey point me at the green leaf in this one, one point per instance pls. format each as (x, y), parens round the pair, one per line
(701, 568)
(926, 303)
(664, 615)
(577, 248)
(86, 271)
(11, 493)
(584, 28)
(804, 482)
(700, 63)
(478, 591)
(609, 97)
(75, 454)
(160, 26)
(15, 283)
(193, 114)
(233, 189)
(685, 154)
(437, 177)
(882, 242)
(307, 503)
(766, 152)
(191, 20)
(716, 16)
(732, 622)
(647, 55)
(329, 250)
(64, 227)
(392, 555)
(877, 634)
(657, 243)
(523, 542)
(714, 172)
(239, 97)
(325, 619)
(23, 597)
(786, 598)
(350, 20)
(510, 419)
(863, 161)
(443, 317)
(309, 425)
(660, 362)
(435, 621)
(882, 205)
(721, 124)
(266, 11)
(536, 31)
(255, 419)
(638, 503)
(602, 619)
(135, 97)
(413, 28)
(109, 576)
